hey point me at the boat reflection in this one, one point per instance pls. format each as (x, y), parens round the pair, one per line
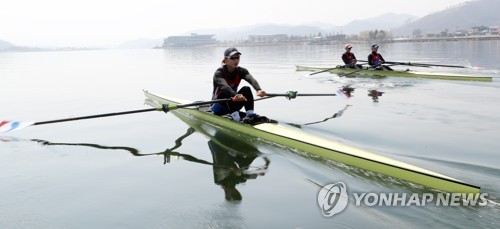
(375, 94)
(336, 115)
(347, 90)
(232, 163)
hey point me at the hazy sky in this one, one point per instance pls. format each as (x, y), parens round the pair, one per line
(108, 22)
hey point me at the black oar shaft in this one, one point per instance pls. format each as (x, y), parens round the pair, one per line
(274, 95)
(169, 107)
(203, 103)
(172, 106)
(95, 116)
(421, 64)
(437, 65)
(314, 73)
(350, 73)
(293, 94)
(373, 67)
(129, 112)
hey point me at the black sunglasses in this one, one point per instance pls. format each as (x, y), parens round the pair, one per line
(234, 57)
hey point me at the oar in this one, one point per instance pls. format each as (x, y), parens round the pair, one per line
(364, 69)
(427, 65)
(169, 106)
(7, 126)
(423, 65)
(326, 70)
(293, 94)
(359, 70)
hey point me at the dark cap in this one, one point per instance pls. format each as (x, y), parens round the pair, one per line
(230, 52)
(374, 46)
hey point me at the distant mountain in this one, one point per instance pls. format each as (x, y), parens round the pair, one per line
(383, 22)
(5, 45)
(459, 17)
(9, 47)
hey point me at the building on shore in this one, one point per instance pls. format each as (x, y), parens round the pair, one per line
(267, 38)
(330, 39)
(189, 41)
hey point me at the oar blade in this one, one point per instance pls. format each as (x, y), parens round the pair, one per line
(9, 126)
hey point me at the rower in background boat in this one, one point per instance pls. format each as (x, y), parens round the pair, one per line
(350, 59)
(375, 60)
(226, 80)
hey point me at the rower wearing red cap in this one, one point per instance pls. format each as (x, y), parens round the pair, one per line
(349, 58)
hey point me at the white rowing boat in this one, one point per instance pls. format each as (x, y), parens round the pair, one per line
(295, 138)
(370, 72)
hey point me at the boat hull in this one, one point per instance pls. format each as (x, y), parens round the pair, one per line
(294, 138)
(396, 73)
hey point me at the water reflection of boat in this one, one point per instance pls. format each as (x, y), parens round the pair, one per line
(336, 115)
(232, 163)
(232, 158)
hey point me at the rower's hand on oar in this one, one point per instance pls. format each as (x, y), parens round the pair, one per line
(239, 98)
(261, 93)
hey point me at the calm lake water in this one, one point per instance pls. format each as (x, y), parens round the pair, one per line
(113, 173)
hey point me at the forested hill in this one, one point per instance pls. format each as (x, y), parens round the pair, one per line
(459, 17)
(5, 45)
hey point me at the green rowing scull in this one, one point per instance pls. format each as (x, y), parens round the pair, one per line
(292, 137)
(367, 72)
